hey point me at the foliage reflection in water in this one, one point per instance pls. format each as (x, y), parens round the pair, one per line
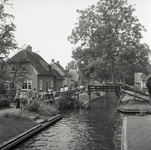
(98, 128)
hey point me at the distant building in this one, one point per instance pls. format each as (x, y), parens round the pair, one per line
(64, 73)
(140, 80)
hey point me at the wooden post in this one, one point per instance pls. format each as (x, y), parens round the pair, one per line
(120, 97)
(89, 101)
(134, 93)
(77, 99)
(105, 97)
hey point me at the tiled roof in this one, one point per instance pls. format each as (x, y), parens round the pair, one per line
(61, 68)
(57, 74)
(39, 64)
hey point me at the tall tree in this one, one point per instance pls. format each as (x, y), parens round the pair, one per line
(107, 38)
(71, 65)
(7, 28)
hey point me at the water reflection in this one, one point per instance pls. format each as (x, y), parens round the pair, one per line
(98, 128)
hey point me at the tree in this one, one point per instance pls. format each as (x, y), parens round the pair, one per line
(21, 71)
(71, 65)
(7, 40)
(107, 38)
(7, 28)
(21, 68)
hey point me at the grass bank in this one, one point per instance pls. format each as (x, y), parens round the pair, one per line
(12, 125)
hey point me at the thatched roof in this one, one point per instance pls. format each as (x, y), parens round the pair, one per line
(37, 62)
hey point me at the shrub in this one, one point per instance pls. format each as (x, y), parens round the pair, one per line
(4, 102)
(47, 110)
(41, 108)
(66, 100)
(2, 89)
(11, 95)
(34, 106)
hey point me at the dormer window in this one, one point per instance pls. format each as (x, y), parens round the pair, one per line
(13, 69)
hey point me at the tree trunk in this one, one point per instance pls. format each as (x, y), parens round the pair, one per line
(112, 73)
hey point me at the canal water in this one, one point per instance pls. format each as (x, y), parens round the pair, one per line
(97, 128)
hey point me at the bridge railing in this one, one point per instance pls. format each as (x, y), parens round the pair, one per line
(131, 88)
(108, 88)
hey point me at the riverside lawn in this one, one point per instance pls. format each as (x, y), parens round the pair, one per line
(12, 124)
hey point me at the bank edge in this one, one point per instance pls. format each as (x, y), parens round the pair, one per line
(20, 138)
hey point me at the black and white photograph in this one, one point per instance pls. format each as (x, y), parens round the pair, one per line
(75, 75)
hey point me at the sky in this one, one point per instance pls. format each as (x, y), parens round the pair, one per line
(46, 24)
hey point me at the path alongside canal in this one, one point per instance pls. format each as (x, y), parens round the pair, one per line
(136, 133)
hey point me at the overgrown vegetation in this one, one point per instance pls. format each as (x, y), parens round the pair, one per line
(42, 108)
(4, 102)
(68, 100)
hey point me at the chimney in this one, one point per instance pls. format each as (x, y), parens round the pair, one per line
(29, 48)
(57, 62)
(52, 60)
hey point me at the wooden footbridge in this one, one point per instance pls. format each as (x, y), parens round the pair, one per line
(120, 88)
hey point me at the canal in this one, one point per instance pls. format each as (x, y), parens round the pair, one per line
(97, 128)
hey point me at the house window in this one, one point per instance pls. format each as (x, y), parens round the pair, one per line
(24, 68)
(27, 85)
(40, 85)
(52, 83)
(13, 69)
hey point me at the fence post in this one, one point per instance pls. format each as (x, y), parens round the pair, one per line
(89, 93)
(134, 93)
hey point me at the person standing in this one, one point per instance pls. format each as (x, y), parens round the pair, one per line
(34, 95)
(17, 98)
(29, 95)
(66, 88)
(62, 89)
(49, 92)
(148, 85)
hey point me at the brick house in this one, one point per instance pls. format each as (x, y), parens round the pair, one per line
(64, 73)
(39, 74)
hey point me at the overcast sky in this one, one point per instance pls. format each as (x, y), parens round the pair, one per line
(46, 24)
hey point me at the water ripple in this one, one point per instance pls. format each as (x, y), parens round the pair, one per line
(98, 128)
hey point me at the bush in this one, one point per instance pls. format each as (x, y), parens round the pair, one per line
(66, 100)
(47, 110)
(11, 95)
(4, 102)
(34, 106)
(2, 89)
(41, 108)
